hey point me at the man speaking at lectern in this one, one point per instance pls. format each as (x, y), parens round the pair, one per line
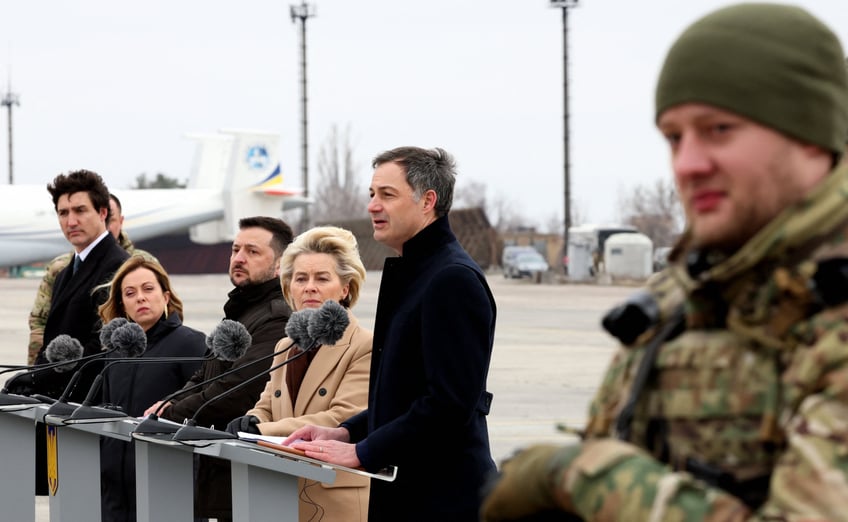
(433, 336)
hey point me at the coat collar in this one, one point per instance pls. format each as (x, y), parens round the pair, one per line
(162, 328)
(323, 364)
(243, 298)
(424, 243)
(71, 283)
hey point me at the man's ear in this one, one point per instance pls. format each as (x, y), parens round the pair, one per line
(429, 198)
(104, 212)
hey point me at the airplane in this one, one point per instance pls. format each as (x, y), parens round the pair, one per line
(235, 173)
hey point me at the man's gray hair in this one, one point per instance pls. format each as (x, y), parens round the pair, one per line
(426, 169)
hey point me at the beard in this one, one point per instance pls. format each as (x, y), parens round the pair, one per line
(249, 278)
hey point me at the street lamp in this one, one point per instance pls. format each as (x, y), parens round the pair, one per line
(565, 5)
(8, 101)
(302, 12)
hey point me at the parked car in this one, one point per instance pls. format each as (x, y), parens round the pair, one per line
(511, 252)
(525, 264)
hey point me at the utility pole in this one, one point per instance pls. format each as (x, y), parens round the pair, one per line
(302, 12)
(565, 5)
(10, 99)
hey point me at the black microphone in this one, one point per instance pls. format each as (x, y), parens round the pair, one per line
(228, 341)
(127, 340)
(296, 329)
(326, 326)
(62, 354)
(64, 348)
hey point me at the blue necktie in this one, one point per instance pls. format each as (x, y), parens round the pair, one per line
(77, 263)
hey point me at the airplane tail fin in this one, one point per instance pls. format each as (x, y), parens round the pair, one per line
(246, 164)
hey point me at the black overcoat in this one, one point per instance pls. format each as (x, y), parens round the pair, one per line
(263, 312)
(133, 388)
(427, 402)
(73, 311)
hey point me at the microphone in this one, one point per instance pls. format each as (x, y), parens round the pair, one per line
(296, 330)
(325, 327)
(63, 348)
(62, 353)
(228, 341)
(126, 339)
(328, 324)
(108, 329)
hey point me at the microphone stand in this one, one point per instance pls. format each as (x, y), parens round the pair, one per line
(191, 431)
(85, 413)
(60, 407)
(11, 399)
(152, 424)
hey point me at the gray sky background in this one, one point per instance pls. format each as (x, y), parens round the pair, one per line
(113, 86)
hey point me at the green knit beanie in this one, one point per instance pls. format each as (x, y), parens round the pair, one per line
(775, 64)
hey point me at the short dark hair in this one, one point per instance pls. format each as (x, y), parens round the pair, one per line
(426, 169)
(81, 181)
(117, 202)
(281, 233)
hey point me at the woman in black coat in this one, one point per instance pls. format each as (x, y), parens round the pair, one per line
(141, 292)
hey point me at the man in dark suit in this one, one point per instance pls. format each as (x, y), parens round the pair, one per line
(433, 336)
(81, 200)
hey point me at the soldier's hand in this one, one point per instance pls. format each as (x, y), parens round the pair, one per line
(525, 488)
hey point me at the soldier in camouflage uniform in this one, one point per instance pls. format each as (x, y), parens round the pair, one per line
(41, 307)
(729, 400)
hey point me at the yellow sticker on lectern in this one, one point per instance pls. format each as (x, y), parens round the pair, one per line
(52, 459)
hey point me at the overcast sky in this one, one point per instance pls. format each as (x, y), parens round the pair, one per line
(113, 87)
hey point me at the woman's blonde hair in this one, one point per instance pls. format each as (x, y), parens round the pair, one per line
(335, 241)
(114, 305)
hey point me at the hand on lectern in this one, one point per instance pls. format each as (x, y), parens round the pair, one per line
(245, 423)
(312, 432)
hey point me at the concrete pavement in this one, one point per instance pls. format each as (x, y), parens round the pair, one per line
(549, 353)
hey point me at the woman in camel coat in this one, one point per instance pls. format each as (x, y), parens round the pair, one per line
(328, 385)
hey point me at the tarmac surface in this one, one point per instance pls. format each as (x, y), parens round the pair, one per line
(549, 353)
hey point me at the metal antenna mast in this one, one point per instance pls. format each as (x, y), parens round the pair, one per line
(565, 5)
(10, 99)
(302, 12)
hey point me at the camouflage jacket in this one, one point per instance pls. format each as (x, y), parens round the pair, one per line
(752, 395)
(41, 306)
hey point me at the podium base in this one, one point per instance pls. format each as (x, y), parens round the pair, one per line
(188, 432)
(93, 415)
(152, 424)
(61, 409)
(11, 399)
(13, 402)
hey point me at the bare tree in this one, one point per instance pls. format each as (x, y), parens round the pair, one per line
(501, 210)
(654, 210)
(553, 224)
(503, 214)
(470, 195)
(161, 181)
(339, 195)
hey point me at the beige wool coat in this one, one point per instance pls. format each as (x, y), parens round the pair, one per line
(334, 389)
